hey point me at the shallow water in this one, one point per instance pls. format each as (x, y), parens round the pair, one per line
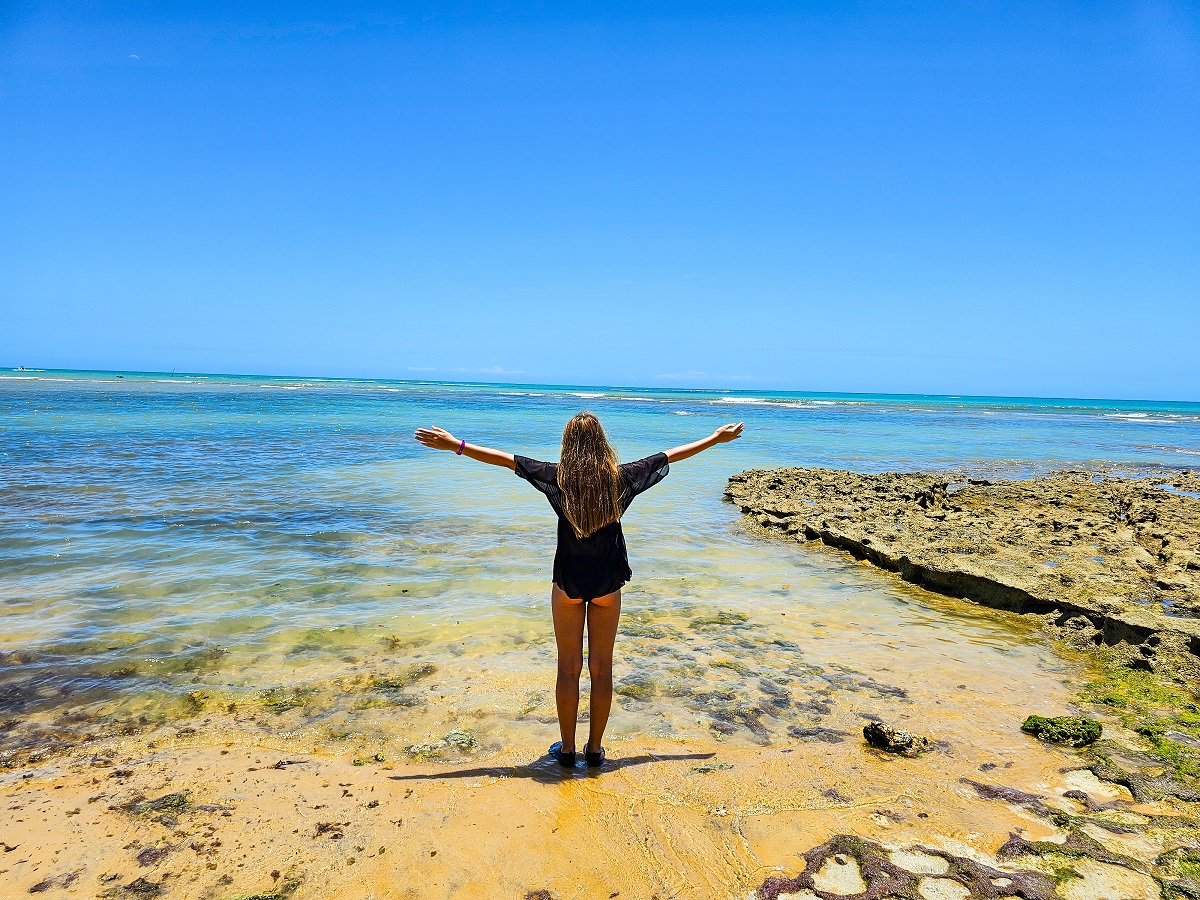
(171, 544)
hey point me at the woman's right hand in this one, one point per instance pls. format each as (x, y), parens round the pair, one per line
(727, 433)
(436, 438)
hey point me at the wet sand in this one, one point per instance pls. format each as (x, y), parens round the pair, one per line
(667, 819)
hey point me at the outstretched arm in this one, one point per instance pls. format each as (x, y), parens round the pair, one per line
(440, 439)
(722, 435)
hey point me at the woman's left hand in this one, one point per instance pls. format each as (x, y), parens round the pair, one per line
(437, 438)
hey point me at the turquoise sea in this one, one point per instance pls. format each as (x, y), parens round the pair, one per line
(169, 542)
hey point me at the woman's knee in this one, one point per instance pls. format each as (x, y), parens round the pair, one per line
(600, 667)
(570, 668)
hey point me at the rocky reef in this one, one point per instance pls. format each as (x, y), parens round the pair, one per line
(847, 865)
(1116, 560)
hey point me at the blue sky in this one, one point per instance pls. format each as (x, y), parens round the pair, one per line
(985, 197)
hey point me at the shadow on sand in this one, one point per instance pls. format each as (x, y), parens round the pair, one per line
(548, 771)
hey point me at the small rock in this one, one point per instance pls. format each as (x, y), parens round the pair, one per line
(1074, 731)
(59, 881)
(711, 767)
(461, 739)
(140, 887)
(153, 855)
(893, 740)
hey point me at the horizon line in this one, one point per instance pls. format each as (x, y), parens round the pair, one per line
(7, 371)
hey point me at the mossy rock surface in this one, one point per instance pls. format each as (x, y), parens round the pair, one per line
(637, 686)
(1074, 731)
(730, 619)
(141, 805)
(280, 700)
(285, 889)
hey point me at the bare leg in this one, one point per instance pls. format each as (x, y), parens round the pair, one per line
(569, 617)
(603, 614)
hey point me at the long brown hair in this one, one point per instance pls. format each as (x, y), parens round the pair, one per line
(588, 476)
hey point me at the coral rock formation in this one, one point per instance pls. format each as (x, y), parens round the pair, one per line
(1112, 559)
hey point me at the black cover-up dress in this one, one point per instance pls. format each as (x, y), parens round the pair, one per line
(590, 567)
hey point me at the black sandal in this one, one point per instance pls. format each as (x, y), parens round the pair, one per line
(595, 759)
(566, 760)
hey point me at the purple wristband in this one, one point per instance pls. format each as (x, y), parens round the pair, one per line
(461, 447)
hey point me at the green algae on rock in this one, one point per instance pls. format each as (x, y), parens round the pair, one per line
(708, 768)
(140, 805)
(720, 620)
(456, 741)
(281, 891)
(637, 686)
(1162, 704)
(138, 889)
(1075, 731)
(280, 700)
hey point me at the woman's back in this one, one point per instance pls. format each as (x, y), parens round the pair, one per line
(598, 563)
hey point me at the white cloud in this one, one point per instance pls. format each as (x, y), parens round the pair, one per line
(687, 376)
(486, 370)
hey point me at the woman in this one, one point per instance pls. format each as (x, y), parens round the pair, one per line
(590, 493)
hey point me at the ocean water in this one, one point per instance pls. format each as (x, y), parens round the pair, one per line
(282, 552)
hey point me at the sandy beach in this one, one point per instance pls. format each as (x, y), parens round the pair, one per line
(216, 814)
